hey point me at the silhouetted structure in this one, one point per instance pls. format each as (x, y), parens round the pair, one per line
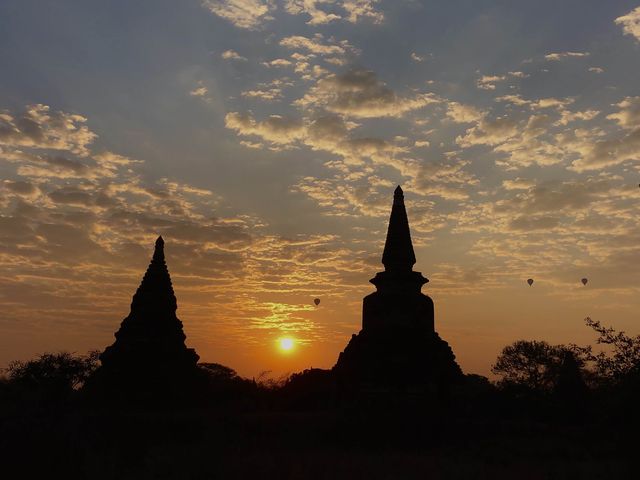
(149, 354)
(398, 346)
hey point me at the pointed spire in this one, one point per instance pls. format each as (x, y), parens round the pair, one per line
(158, 252)
(155, 293)
(398, 250)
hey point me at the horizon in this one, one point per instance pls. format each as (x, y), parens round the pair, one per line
(263, 140)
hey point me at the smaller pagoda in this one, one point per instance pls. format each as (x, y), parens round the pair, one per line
(149, 353)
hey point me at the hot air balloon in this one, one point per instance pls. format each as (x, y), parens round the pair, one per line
(584, 281)
(316, 301)
(530, 281)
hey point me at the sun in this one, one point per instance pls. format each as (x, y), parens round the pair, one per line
(286, 344)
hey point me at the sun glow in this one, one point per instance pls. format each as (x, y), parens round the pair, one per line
(286, 344)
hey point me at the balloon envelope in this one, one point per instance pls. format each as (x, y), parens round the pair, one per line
(584, 281)
(530, 281)
(316, 301)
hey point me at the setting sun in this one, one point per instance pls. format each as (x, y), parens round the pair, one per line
(286, 344)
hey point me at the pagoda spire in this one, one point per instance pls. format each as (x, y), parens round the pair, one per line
(155, 293)
(398, 250)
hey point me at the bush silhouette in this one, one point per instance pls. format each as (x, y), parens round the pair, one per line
(49, 380)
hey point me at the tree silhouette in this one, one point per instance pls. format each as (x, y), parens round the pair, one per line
(621, 360)
(61, 370)
(51, 380)
(531, 364)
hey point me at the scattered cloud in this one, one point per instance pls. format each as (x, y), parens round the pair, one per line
(362, 9)
(249, 14)
(518, 184)
(559, 56)
(311, 8)
(276, 129)
(316, 45)
(488, 82)
(200, 91)
(628, 116)
(460, 113)
(40, 128)
(418, 58)
(359, 93)
(630, 23)
(278, 62)
(232, 55)
(349, 10)
(489, 132)
(268, 95)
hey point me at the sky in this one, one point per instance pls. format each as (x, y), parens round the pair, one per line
(263, 140)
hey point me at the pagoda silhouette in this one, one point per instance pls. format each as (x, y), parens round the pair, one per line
(149, 357)
(398, 347)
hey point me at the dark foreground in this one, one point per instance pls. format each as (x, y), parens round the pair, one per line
(367, 443)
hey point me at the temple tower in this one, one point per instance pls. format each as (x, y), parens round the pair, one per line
(398, 301)
(149, 353)
(398, 345)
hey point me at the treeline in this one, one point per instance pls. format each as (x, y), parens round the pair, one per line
(554, 411)
(527, 370)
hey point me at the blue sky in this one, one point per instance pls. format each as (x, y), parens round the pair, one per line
(263, 139)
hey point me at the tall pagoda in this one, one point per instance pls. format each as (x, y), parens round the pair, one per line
(398, 345)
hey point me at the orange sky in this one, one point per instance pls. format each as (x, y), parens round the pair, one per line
(263, 141)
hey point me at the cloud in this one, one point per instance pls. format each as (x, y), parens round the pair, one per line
(310, 7)
(460, 113)
(630, 23)
(278, 62)
(21, 187)
(328, 133)
(418, 58)
(489, 132)
(568, 117)
(268, 95)
(357, 9)
(595, 152)
(268, 91)
(529, 146)
(232, 55)
(550, 103)
(446, 179)
(534, 223)
(556, 197)
(349, 10)
(359, 93)
(513, 100)
(40, 128)
(607, 153)
(518, 184)
(200, 91)
(487, 82)
(628, 116)
(72, 196)
(559, 56)
(249, 14)
(276, 129)
(315, 45)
